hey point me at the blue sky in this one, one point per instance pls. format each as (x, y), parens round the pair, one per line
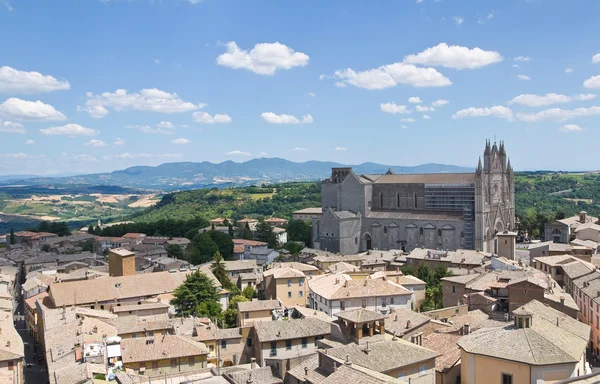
(91, 86)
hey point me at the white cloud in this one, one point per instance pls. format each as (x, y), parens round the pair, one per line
(119, 142)
(458, 20)
(262, 154)
(10, 127)
(321, 77)
(273, 118)
(29, 110)
(530, 100)
(403, 126)
(6, 3)
(439, 103)
(391, 75)
(15, 155)
(490, 15)
(426, 117)
(264, 59)
(205, 118)
(596, 58)
(128, 155)
(408, 120)
(523, 77)
(497, 111)
(30, 142)
(156, 61)
(424, 108)
(393, 108)
(454, 56)
(238, 153)
(95, 143)
(68, 130)
(84, 157)
(340, 84)
(557, 114)
(339, 149)
(571, 128)
(97, 111)
(522, 59)
(414, 100)
(419, 1)
(592, 82)
(149, 100)
(568, 70)
(585, 96)
(15, 81)
(312, 94)
(165, 125)
(181, 141)
(516, 66)
(300, 149)
(148, 129)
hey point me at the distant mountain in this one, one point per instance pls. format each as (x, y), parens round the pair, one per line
(188, 175)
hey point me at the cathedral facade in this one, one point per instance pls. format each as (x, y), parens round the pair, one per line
(437, 211)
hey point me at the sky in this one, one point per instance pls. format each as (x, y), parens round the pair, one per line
(99, 85)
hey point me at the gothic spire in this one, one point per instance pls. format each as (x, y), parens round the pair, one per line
(487, 148)
(479, 167)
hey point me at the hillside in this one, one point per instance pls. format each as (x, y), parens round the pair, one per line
(189, 175)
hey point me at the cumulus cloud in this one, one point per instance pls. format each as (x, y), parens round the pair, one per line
(311, 94)
(497, 111)
(426, 117)
(238, 153)
(571, 128)
(414, 100)
(592, 82)
(340, 84)
(30, 142)
(391, 75)
(558, 114)
(181, 141)
(522, 58)
(585, 96)
(339, 149)
(119, 142)
(523, 77)
(408, 120)
(162, 128)
(424, 108)
(568, 70)
(458, 20)
(148, 100)
(165, 125)
(530, 100)
(95, 143)
(596, 58)
(439, 103)
(300, 149)
(273, 118)
(29, 110)
(68, 130)
(264, 58)
(262, 154)
(10, 127)
(454, 56)
(403, 126)
(205, 118)
(393, 108)
(15, 81)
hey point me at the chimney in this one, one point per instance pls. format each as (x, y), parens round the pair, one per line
(408, 324)
(337, 280)
(367, 350)
(345, 283)
(365, 282)
(562, 300)
(253, 363)
(278, 333)
(396, 318)
(466, 329)
(8, 344)
(305, 371)
(348, 360)
(557, 321)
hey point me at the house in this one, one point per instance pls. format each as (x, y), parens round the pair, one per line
(276, 341)
(542, 344)
(342, 267)
(236, 267)
(144, 310)
(281, 235)
(553, 265)
(461, 258)
(254, 250)
(412, 283)
(111, 242)
(549, 248)
(575, 270)
(251, 279)
(219, 221)
(403, 323)
(564, 230)
(325, 261)
(339, 292)
(262, 375)
(252, 223)
(157, 356)
(12, 351)
(275, 221)
(33, 238)
(288, 285)
(257, 310)
(586, 293)
(307, 214)
(181, 241)
(309, 270)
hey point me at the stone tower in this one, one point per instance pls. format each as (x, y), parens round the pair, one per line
(121, 262)
(494, 196)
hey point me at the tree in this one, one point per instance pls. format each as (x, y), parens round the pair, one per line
(174, 250)
(45, 248)
(201, 249)
(195, 290)
(224, 243)
(13, 239)
(231, 313)
(230, 230)
(299, 230)
(220, 271)
(294, 247)
(91, 230)
(264, 233)
(210, 309)
(88, 245)
(246, 233)
(249, 292)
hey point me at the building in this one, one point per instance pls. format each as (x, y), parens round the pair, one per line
(288, 285)
(12, 352)
(252, 223)
(236, 267)
(121, 262)
(542, 344)
(436, 211)
(276, 221)
(586, 293)
(573, 271)
(307, 214)
(307, 269)
(564, 230)
(257, 310)
(338, 292)
(461, 258)
(415, 285)
(324, 262)
(553, 265)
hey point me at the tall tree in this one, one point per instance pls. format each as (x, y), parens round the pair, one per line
(299, 230)
(264, 232)
(196, 289)
(13, 239)
(91, 229)
(230, 230)
(201, 249)
(174, 250)
(220, 271)
(224, 243)
(246, 233)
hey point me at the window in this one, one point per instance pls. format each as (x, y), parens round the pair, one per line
(102, 306)
(421, 231)
(300, 293)
(273, 348)
(384, 302)
(397, 200)
(249, 342)
(223, 344)
(507, 379)
(289, 295)
(355, 242)
(288, 344)
(304, 342)
(422, 370)
(155, 365)
(300, 282)
(342, 305)
(246, 315)
(391, 301)
(150, 333)
(317, 338)
(364, 303)
(173, 363)
(454, 289)
(439, 233)
(211, 348)
(289, 283)
(401, 375)
(191, 360)
(385, 229)
(133, 335)
(11, 366)
(142, 367)
(415, 199)
(380, 200)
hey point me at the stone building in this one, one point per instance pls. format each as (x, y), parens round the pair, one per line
(437, 211)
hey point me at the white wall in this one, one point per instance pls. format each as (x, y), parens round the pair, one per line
(331, 307)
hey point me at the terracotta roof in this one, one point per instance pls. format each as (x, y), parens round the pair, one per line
(263, 375)
(403, 320)
(140, 307)
(357, 375)
(315, 210)
(283, 273)
(341, 286)
(445, 345)
(252, 243)
(258, 305)
(239, 265)
(342, 267)
(291, 329)
(11, 344)
(360, 315)
(293, 264)
(160, 348)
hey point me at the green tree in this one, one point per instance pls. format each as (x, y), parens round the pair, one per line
(88, 245)
(13, 239)
(230, 315)
(45, 248)
(201, 249)
(224, 243)
(195, 290)
(294, 247)
(299, 230)
(174, 250)
(91, 230)
(230, 230)
(246, 233)
(220, 271)
(210, 309)
(249, 292)
(264, 233)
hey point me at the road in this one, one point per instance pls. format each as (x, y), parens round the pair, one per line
(37, 373)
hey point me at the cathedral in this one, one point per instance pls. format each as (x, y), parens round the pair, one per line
(446, 211)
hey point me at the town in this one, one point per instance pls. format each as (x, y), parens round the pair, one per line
(414, 278)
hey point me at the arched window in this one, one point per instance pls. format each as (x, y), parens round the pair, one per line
(384, 229)
(462, 234)
(421, 231)
(415, 199)
(380, 200)
(439, 233)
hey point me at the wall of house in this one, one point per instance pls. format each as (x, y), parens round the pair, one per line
(446, 313)
(290, 295)
(482, 369)
(448, 377)
(551, 373)
(421, 373)
(282, 352)
(452, 293)
(522, 293)
(232, 352)
(15, 367)
(589, 234)
(253, 316)
(166, 366)
(557, 232)
(331, 307)
(588, 314)
(156, 333)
